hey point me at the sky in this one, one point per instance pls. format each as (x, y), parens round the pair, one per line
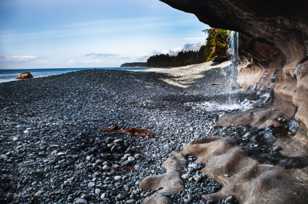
(90, 33)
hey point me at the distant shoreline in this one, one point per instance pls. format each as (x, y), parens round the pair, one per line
(8, 75)
(135, 64)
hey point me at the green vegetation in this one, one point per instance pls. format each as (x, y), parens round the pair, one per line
(217, 44)
(214, 50)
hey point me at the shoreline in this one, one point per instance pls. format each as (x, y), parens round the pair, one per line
(190, 71)
(9, 75)
(50, 130)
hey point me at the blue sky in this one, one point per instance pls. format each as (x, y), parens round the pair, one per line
(90, 33)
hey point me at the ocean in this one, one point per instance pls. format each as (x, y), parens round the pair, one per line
(7, 75)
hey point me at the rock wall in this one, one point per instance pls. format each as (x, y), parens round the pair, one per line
(274, 37)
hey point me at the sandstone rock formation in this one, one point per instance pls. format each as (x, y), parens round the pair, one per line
(170, 182)
(274, 39)
(274, 35)
(248, 180)
(24, 75)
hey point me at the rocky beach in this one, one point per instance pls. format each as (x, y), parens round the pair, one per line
(230, 130)
(53, 149)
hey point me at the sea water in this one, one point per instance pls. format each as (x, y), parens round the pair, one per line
(7, 75)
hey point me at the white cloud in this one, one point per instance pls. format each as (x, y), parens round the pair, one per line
(175, 51)
(192, 46)
(17, 59)
(97, 59)
(100, 55)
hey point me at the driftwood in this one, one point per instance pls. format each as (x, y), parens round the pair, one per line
(138, 132)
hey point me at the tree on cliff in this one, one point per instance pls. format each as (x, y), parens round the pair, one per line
(215, 48)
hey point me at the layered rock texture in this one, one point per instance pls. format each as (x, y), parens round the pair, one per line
(250, 181)
(274, 47)
(273, 35)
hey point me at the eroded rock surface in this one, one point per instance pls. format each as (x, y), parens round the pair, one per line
(170, 182)
(245, 178)
(273, 35)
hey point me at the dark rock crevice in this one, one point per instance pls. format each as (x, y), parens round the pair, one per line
(278, 23)
(273, 35)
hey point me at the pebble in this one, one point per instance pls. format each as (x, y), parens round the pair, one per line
(187, 198)
(125, 156)
(130, 159)
(3, 156)
(26, 131)
(137, 156)
(81, 201)
(120, 196)
(117, 178)
(37, 194)
(103, 196)
(118, 141)
(137, 167)
(106, 167)
(197, 178)
(115, 166)
(97, 191)
(185, 176)
(74, 133)
(196, 166)
(15, 138)
(91, 184)
(293, 127)
(130, 201)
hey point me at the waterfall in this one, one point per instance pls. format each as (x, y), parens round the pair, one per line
(231, 72)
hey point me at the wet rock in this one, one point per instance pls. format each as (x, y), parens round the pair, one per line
(24, 75)
(106, 167)
(91, 185)
(117, 178)
(97, 191)
(230, 200)
(130, 159)
(103, 196)
(3, 157)
(121, 196)
(130, 201)
(64, 153)
(293, 127)
(187, 198)
(195, 166)
(197, 178)
(80, 201)
(185, 176)
(27, 131)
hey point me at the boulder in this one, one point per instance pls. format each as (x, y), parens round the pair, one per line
(24, 75)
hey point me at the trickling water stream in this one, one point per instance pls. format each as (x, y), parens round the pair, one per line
(232, 101)
(231, 72)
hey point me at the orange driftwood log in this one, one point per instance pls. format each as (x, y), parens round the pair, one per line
(139, 132)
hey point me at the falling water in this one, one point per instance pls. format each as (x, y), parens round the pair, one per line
(231, 73)
(232, 102)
